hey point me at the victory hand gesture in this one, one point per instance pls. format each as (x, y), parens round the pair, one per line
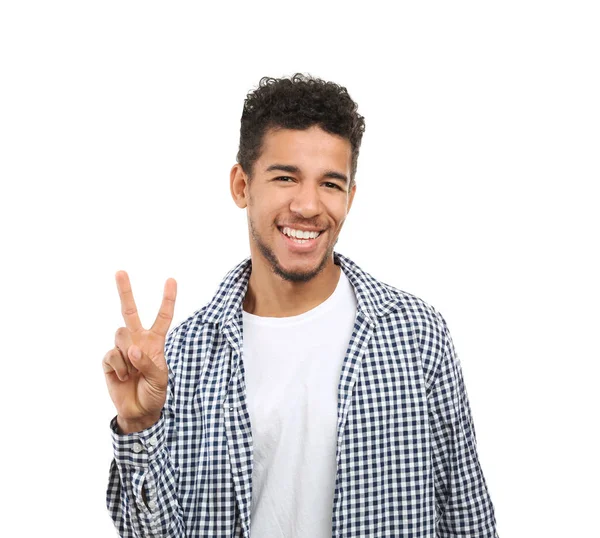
(135, 369)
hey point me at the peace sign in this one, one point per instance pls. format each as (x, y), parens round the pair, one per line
(135, 369)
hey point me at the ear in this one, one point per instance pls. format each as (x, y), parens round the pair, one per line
(238, 182)
(351, 198)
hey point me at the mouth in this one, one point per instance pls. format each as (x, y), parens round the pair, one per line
(303, 244)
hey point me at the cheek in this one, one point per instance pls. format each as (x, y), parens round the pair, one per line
(264, 217)
(339, 214)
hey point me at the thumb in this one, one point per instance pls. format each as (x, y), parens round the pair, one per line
(143, 363)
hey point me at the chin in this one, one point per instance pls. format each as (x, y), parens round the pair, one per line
(303, 269)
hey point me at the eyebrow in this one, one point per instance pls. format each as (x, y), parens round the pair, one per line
(295, 170)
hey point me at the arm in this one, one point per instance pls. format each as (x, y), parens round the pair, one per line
(463, 505)
(143, 490)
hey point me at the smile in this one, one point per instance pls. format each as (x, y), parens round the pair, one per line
(299, 234)
(300, 240)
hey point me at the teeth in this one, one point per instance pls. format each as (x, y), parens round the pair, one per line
(299, 234)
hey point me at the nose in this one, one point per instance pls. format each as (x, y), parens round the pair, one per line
(306, 200)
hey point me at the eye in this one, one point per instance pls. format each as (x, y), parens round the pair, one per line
(328, 183)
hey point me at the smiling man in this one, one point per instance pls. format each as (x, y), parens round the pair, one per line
(307, 398)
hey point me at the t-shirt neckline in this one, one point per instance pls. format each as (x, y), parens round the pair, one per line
(326, 305)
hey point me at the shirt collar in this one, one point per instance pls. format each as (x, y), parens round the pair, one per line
(374, 298)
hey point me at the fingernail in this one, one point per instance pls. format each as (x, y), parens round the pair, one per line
(136, 353)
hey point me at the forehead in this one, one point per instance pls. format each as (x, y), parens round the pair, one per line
(309, 147)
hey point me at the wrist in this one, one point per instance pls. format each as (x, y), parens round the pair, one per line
(133, 426)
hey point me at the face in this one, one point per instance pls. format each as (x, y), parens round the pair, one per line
(300, 181)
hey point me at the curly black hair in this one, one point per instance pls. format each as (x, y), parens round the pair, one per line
(298, 102)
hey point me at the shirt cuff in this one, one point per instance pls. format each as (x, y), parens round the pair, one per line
(139, 448)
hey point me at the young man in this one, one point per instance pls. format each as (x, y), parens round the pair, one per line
(306, 399)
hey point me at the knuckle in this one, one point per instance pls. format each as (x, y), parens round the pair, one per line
(122, 338)
(120, 333)
(129, 310)
(108, 361)
(111, 356)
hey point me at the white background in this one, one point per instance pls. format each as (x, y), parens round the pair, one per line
(119, 123)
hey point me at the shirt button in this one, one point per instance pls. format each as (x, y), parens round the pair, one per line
(153, 441)
(152, 505)
(137, 448)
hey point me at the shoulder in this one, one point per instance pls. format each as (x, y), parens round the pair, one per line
(422, 322)
(396, 310)
(181, 336)
(409, 309)
(189, 341)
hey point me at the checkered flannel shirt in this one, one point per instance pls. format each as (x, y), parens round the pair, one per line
(407, 464)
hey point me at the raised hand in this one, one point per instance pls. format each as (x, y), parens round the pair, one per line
(135, 369)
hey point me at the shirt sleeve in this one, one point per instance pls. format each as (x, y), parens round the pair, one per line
(463, 504)
(143, 488)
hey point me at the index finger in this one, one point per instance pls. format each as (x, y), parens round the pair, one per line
(167, 308)
(128, 308)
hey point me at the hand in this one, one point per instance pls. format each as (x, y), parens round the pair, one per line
(138, 386)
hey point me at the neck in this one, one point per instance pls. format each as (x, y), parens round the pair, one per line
(269, 295)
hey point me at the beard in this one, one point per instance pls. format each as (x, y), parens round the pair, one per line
(289, 276)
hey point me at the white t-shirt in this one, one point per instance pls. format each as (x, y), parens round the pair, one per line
(293, 368)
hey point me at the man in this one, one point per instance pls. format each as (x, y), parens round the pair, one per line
(306, 399)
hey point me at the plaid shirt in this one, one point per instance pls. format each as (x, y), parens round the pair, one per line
(407, 463)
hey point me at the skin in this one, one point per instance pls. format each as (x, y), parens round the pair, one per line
(285, 283)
